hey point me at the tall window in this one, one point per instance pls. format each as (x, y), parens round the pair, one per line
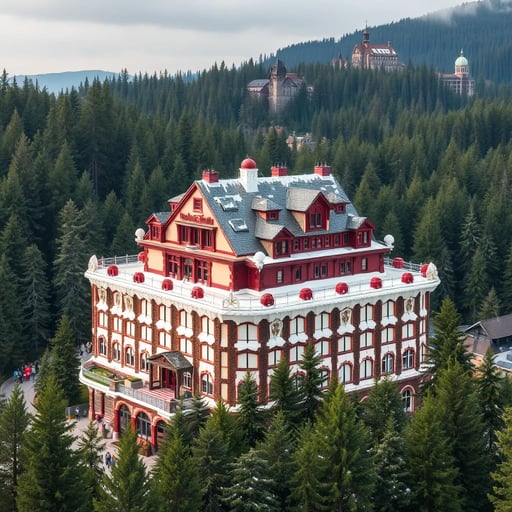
(206, 384)
(408, 359)
(388, 309)
(345, 344)
(366, 369)
(143, 425)
(116, 352)
(173, 266)
(187, 380)
(247, 333)
(367, 313)
(202, 271)
(322, 348)
(366, 339)
(296, 353)
(129, 359)
(387, 363)
(407, 400)
(186, 346)
(408, 331)
(247, 360)
(346, 373)
(274, 356)
(206, 352)
(103, 346)
(144, 363)
(388, 335)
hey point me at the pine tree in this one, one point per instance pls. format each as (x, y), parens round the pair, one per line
(284, 393)
(36, 298)
(69, 265)
(311, 382)
(14, 420)
(501, 496)
(250, 417)
(382, 403)
(392, 494)
(343, 441)
(90, 446)
(490, 398)
(277, 450)
(175, 478)
(196, 417)
(251, 487)
(52, 480)
(447, 345)
(490, 307)
(65, 364)
(476, 284)
(128, 488)
(458, 404)
(309, 491)
(210, 455)
(432, 473)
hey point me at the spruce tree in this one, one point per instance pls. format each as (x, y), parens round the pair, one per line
(382, 403)
(14, 420)
(284, 393)
(251, 488)
(36, 299)
(489, 388)
(90, 445)
(392, 494)
(128, 488)
(501, 496)
(344, 442)
(210, 456)
(250, 418)
(309, 491)
(52, 481)
(458, 404)
(65, 364)
(196, 417)
(175, 477)
(277, 450)
(311, 382)
(432, 473)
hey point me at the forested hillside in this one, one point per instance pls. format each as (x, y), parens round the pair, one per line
(481, 29)
(81, 171)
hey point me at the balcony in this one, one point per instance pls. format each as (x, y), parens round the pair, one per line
(114, 384)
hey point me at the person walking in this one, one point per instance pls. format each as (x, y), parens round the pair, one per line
(108, 460)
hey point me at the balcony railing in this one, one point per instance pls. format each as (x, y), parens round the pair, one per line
(323, 289)
(117, 386)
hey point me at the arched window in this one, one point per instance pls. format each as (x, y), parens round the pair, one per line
(129, 358)
(206, 384)
(143, 425)
(116, 352)
(366, 369)
(407, 400)
(408, 359)
(388, 363)
(346, 373)
(124, 418)
(103, 346)
(144, 363)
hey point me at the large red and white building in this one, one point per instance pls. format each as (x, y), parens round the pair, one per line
(366, 55)
(238, 274)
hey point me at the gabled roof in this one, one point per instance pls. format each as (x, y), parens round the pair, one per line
(175, 359)
(270, 191)
(300, 199)
(263, 204)
(494, 328)
(354, 222)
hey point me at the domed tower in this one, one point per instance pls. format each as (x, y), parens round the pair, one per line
(462, 66)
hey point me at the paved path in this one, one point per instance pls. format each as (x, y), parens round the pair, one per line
(79, 425)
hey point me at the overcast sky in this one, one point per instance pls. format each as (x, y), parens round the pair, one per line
(46, 36)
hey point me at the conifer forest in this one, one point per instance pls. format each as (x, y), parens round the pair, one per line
(82, 170)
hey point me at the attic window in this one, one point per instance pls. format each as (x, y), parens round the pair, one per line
(228, 204)
(198, 204)
(272, 216)
(340, 208)
(155, 232)
(238, 225)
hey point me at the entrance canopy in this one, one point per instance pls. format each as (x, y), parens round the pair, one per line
(174, 361)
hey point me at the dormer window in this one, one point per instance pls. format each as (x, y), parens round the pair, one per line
(155, 232)
(281, 247)
(273, 215)
(340, 208)
(363, 238)
(315, 220)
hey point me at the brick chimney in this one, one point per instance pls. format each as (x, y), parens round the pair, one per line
(210, 176)
(323, 170)
(279, 170)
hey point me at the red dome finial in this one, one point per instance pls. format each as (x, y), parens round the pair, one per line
(248, 163)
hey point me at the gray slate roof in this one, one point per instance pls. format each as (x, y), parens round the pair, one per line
(303, 190)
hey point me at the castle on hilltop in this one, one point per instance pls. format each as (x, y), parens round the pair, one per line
(366, 55)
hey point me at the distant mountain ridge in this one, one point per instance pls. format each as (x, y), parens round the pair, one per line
(57, 82)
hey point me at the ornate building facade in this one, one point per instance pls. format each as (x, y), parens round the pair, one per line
(460, 80)
(238, 274)
(279, 88)
(366, 55)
